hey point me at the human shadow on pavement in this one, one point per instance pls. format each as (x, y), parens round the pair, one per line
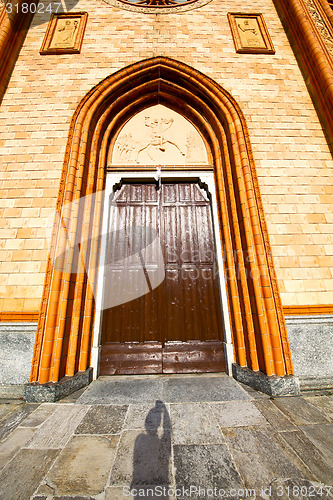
(151, 456)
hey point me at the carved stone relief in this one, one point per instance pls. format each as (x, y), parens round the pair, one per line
(158, 136)
(326, 33)
(142, 7)
(64, 34)
(250, 33)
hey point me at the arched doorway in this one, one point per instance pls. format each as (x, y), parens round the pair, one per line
(64, 338)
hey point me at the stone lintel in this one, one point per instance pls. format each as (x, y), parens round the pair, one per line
(52, 391)
(273, 385)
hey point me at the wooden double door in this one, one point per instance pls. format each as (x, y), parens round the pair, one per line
(162, 309)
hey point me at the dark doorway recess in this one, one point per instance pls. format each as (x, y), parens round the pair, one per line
(162, 309)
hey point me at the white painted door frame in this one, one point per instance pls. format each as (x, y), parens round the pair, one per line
(113, 179)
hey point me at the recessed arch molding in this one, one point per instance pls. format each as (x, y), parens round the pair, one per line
(64, 334)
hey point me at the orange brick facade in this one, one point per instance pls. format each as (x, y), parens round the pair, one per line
(287, 127)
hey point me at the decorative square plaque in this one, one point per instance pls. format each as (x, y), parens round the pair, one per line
(64, 34)
(250, 34)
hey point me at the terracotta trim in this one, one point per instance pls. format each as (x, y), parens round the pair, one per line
(63, 340)
(307, 310)
(19, 316)
(164, 168)
(313, 57)
(327, 11)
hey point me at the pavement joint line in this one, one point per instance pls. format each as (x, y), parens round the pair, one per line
(108, 481)
(293, 456)
(292, 451)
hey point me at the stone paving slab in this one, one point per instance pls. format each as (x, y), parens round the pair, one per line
(274, 416)
(165, 436)
(322, 437)
(58, 428)
(6, 409)
(20, 478)
(15, 418)
(299, 411)
(318, 466)
(194, 423)
(143, 459)
(258, 456)
(124, 391)
(14, 442)
(39, 415)
(46, 497)
(135, 493)
(205, 466)
(118, 390)
(323, 403)
(83, 466)
(146, 417)
(103, 419)
(292, 489)
(117, 493)
(238, 414)
(187, 390)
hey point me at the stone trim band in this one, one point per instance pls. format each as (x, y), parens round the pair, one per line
(29, 316)
(19, 316)
(313, 55)
(308, 310)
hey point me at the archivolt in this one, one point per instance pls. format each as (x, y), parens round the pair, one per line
(63, 341)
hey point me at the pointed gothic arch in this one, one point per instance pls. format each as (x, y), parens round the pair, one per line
(63, 341)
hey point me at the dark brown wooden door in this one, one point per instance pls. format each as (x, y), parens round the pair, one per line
(162, 309)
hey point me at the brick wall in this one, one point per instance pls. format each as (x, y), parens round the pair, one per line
(292, 157)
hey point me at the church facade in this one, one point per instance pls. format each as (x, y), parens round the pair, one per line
(167, 193)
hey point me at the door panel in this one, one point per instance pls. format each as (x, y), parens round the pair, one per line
(176, 326)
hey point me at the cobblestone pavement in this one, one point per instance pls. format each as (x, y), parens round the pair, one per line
(190, 436)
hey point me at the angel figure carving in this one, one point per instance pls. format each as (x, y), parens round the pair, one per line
(159, 149)
(65, 34)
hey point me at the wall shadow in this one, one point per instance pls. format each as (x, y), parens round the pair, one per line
(151, 456)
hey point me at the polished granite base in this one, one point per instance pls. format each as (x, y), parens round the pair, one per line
(40, 393)
(273, 386)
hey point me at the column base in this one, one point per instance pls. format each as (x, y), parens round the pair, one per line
(52, 391)
(273, 385)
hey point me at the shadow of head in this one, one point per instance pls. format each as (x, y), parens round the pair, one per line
(154, 417)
